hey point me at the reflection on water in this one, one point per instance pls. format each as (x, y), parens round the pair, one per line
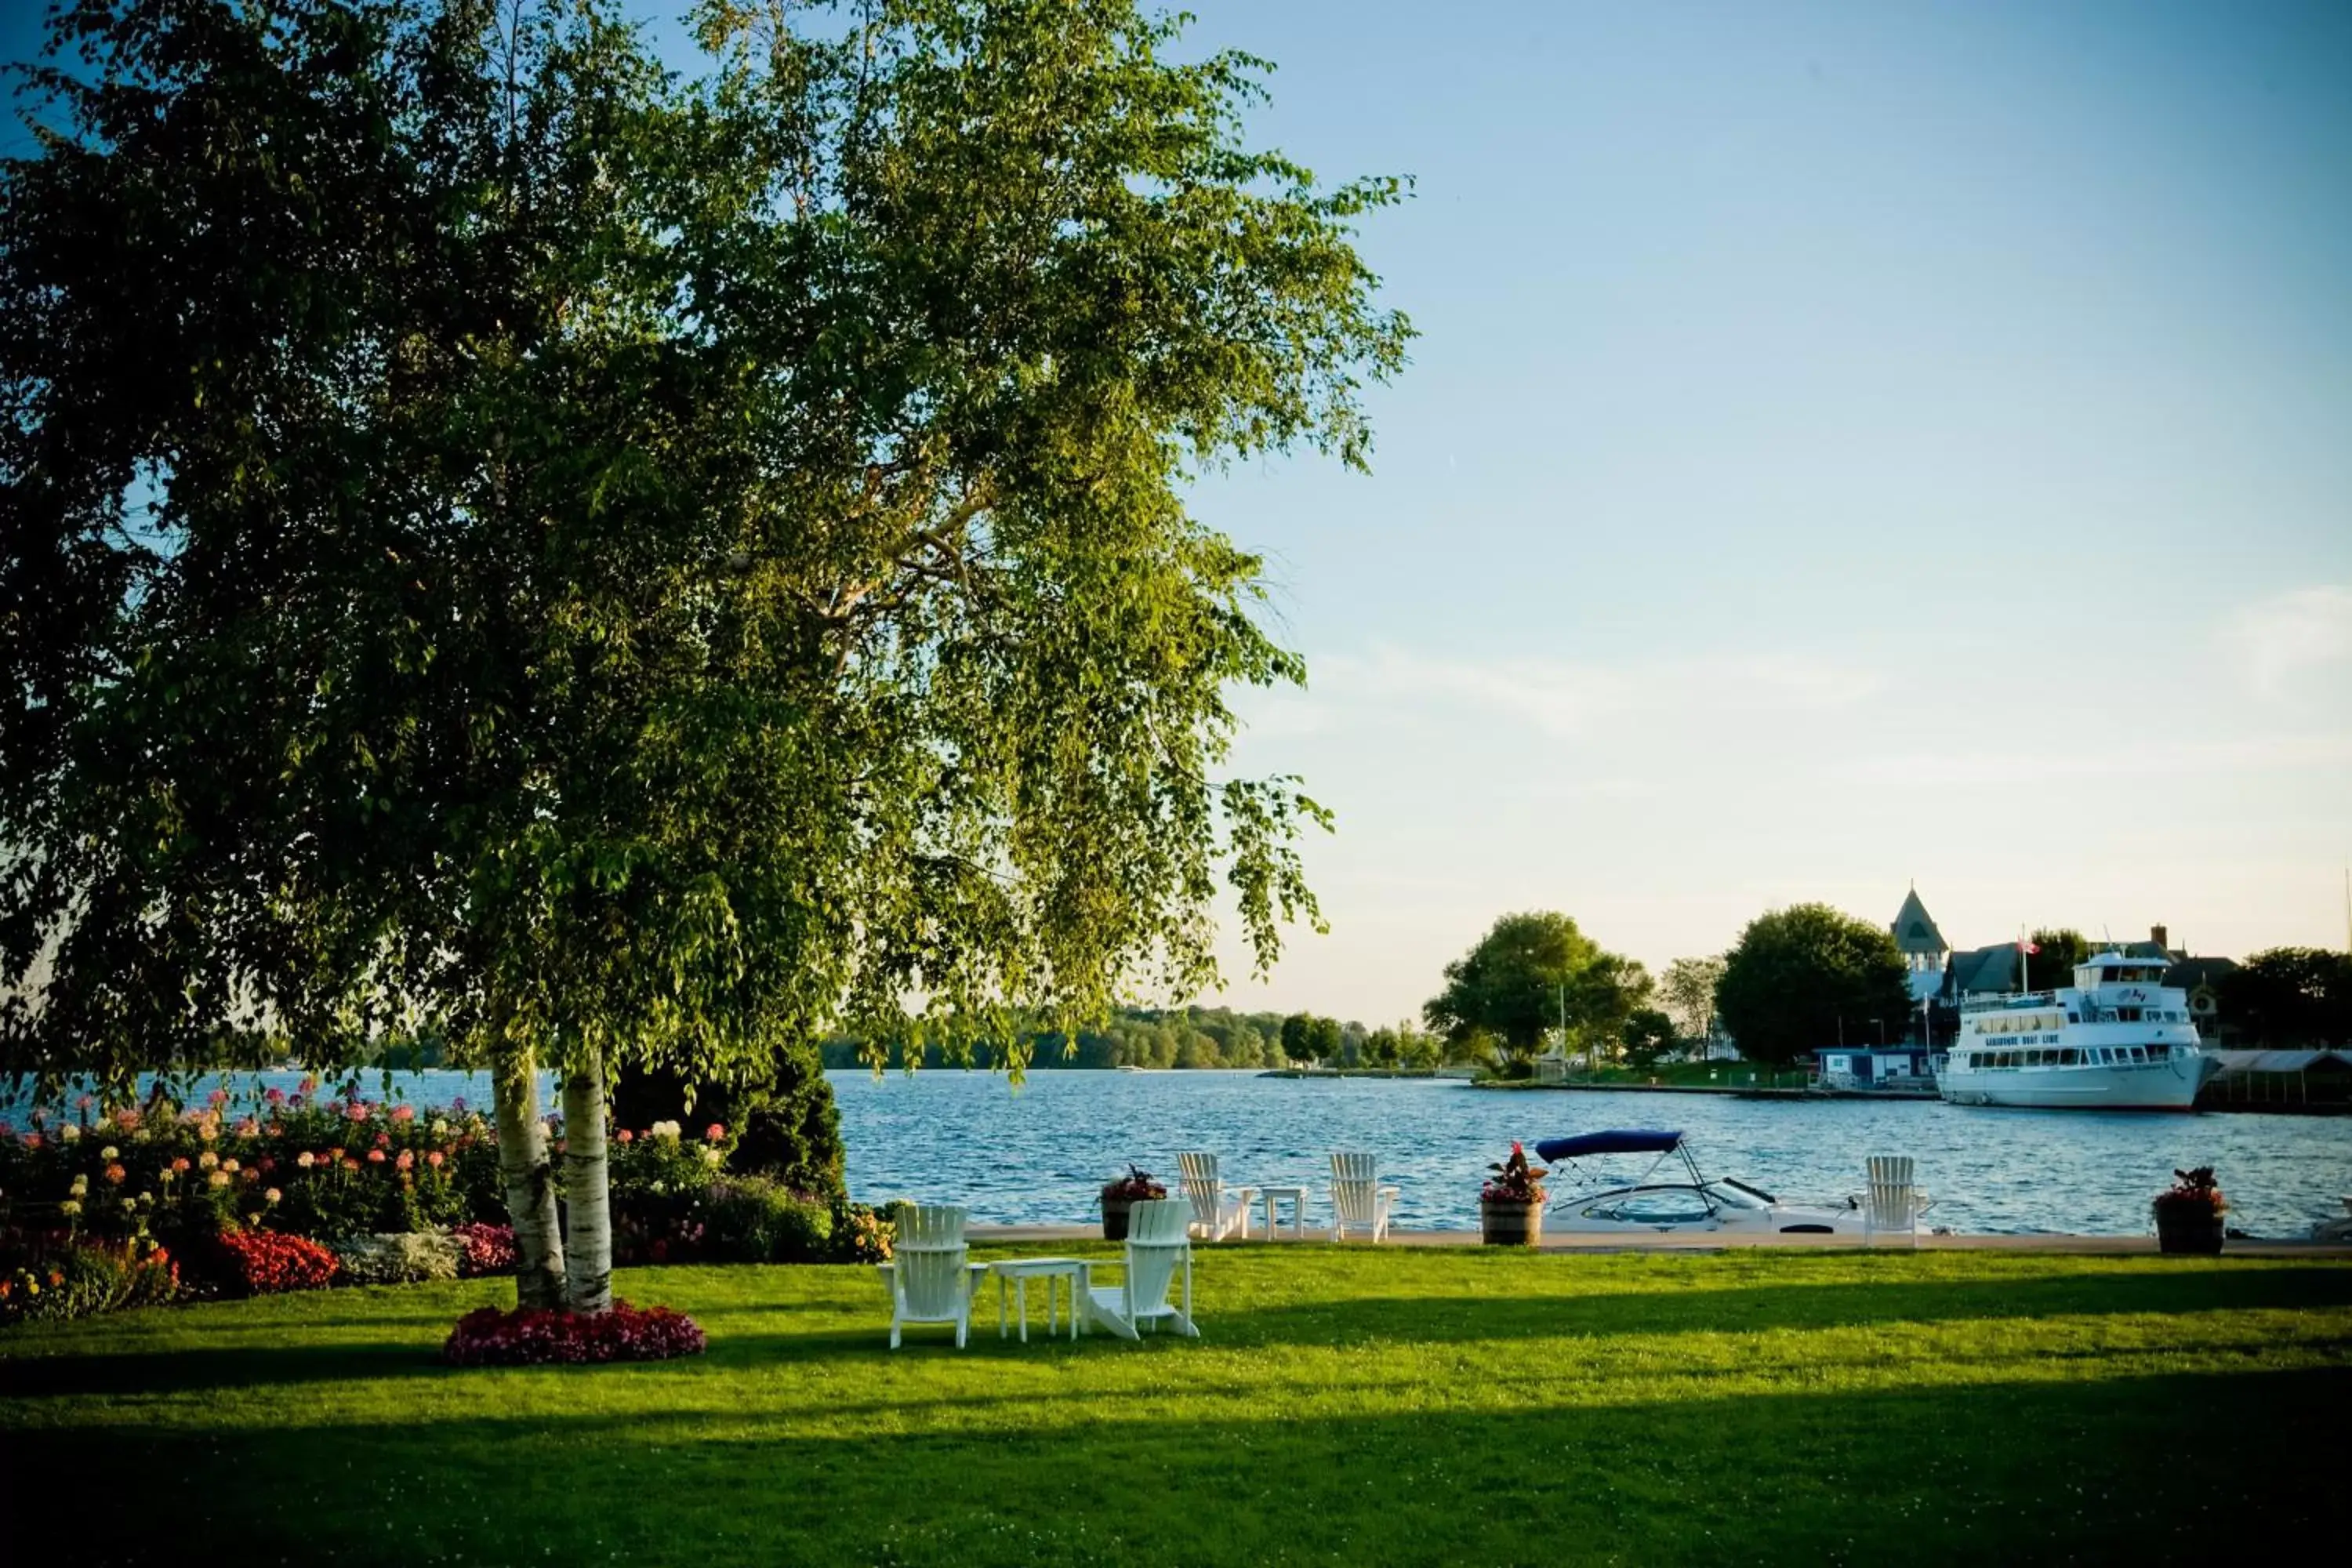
(1040, 1154)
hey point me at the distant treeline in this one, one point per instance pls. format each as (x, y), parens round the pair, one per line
(1192, 1038)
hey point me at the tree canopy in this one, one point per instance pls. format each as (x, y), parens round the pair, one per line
(608, 564)
(1527, 972)
(2289, 996)
(1801, 977)
(1686, 990)
(2062, 947)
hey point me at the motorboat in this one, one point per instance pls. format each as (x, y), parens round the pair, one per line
(1695, 1206)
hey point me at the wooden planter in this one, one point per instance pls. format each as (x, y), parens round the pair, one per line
(1503, 1222)
(2187, 1229)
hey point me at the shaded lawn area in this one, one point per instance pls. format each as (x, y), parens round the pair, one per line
(1390, 1405)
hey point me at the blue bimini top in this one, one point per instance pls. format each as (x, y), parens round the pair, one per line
(1624, 1140)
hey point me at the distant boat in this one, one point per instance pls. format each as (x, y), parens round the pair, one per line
(2117, 1039)
(1129, 1066)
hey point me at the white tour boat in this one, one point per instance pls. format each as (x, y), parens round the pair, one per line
(2117, 1039)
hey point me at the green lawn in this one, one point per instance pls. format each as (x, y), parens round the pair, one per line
(1397, 1405)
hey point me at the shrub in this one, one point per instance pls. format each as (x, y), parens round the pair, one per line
(748, 1219)
(398, 1257)
(532, 1337)
(485, 1248)
(860, 1235)
(57, 1275)
(261, 1261)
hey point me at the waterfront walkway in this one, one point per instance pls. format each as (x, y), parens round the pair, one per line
(1706, 1241)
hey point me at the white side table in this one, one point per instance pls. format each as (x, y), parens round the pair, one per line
(1019, 1271)
(1298, 1196)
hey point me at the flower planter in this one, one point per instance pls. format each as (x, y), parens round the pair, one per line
(1507, 1222)
(2183, 1228)
(1115, 1218)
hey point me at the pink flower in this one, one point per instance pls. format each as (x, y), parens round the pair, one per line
(32, 1139)
(356, 1110)
(403, 1113)
(623, 1136)
(309, 1083)
(384, 1140)
(714, 1133)
(181, 1163)
(276, 1096)
(405, 1160)
(83, 1103)
(248, 1128)
(434, 1158)
(217, 1097)
(375, 1156)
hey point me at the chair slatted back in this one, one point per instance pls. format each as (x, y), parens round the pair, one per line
(1203, 1190)
(1159, 1239)
(1891, 1191)
(1354, 1167)
(1355, 1202)
(927, 1259)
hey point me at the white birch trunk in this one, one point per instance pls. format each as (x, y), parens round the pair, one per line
(587, 1195)
(530, 1182)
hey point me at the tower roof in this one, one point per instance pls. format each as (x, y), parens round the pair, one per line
(1915, 929)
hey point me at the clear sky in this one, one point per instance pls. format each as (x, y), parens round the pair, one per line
(1849, 444)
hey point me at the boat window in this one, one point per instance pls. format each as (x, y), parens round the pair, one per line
(2068, 1059)
(1666, 1206)
(2139, 1053)
(2073, 1018)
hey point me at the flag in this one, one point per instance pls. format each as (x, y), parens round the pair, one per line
(2025, 946)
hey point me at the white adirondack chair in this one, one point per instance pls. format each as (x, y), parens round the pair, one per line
(929, 1276)
(1159, 1246)
(1218, 1210)
(1890, 1200)
(1358, 1200)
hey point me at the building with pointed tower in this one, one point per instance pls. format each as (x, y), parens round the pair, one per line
(1924, 949)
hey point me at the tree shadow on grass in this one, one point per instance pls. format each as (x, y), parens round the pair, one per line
(1751, 1308)
(2163, 1468)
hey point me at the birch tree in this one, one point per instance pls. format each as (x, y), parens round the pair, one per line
(632, 572)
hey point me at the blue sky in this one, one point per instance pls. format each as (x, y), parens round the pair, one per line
(1848, 444)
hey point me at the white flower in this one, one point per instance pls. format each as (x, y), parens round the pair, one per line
(207, 1160)
(69, 1209)
(80, 1185)
(110, 1153)
(710, 1155)
(440, 1126)
(663, 1129)
(70, 1132)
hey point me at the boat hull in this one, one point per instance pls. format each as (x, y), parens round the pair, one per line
(2170, 1085)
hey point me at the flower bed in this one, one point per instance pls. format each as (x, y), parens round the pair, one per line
(262, 1262)
(488, 1337)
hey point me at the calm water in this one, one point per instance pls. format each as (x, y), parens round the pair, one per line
(1041, 1153)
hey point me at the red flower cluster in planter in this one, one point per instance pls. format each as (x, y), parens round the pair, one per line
(265, 1261)
(535, 1336)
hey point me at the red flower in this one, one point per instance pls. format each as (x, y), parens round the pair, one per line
(375, 1156)
(434, 1158)
(405, 1160)
(714, 1133)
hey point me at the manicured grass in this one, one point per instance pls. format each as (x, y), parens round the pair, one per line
(1343, 1405)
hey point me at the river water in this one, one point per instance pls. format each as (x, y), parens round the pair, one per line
(1040, 1152)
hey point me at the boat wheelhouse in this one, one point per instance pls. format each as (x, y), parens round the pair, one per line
(2117, 1039)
